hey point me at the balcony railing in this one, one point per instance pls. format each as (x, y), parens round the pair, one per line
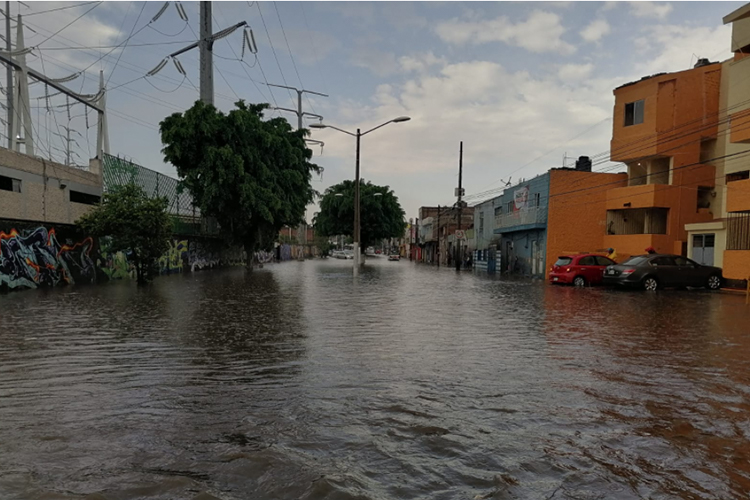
(523, 217)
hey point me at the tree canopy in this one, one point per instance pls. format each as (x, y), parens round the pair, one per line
(135, 223)
(252, 175)
(381, 215)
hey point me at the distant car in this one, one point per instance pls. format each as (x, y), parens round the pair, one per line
(579, 270)
(394, 256)
(654, 271)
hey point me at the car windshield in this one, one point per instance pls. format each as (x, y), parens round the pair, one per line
(563, 261)
(635, 261)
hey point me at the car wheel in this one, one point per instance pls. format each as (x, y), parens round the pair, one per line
(650, 284)
(714, 282)
(579, 281)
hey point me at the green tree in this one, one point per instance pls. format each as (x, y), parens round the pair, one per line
(252, 175)
(133, 222)
(381, 215)
(323, 245)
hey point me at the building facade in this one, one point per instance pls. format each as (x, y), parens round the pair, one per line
(521, 222)
(665, 131)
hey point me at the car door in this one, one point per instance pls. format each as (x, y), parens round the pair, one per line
(587, 268)
(602, 263)
(666, 270)
(690, 273)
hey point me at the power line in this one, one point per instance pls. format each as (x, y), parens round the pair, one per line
(126, 41)
(58, 8)
(86, 47)
(70, 23)
(291, 56)
(273, 50)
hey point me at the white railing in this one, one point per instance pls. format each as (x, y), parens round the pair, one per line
(535, 215)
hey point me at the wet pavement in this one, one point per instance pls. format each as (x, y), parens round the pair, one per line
(298, 382)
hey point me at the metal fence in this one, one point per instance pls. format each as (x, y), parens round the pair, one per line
(187, 219)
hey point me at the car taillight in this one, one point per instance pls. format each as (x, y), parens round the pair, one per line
(628, 271)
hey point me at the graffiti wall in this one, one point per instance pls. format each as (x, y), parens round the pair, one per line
(36, 257)
(33, 256)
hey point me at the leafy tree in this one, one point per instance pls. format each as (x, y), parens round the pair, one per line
(381, 215)
(323, 245)
(134, 222)
(252, 175)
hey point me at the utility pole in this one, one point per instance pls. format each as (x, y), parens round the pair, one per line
(23, 92)
(299, 111)
(438, 237)
(206, 54)
(460, 205)
(9, 81)
(205, 46)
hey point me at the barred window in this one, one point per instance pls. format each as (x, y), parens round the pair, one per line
(738, 231)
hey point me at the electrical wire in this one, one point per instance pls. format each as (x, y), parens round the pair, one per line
(291, 56)
(273, 50)
(126, 41)
(69, 24)
(56, 9)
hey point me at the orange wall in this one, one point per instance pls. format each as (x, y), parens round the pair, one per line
(738, 196)
(736, 264)
(740, 131)
(679, 108)
(576, 221)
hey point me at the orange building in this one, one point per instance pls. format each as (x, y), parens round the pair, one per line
(577, 213)
(665, 131)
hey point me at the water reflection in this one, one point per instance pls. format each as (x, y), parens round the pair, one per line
(298, 381)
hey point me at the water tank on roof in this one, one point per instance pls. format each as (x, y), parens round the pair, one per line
(583, 164)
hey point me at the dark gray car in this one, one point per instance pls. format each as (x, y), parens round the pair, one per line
(655, 271)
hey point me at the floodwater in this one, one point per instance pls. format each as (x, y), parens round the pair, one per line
(298, 382)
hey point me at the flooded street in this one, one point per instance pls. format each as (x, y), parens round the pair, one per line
(298, 382)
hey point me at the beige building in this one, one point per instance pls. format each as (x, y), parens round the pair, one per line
(725, 241)
(37, 190)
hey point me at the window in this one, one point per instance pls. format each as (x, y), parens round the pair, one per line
(481, 222)
(563, 261)
(682, 261)
(85, 198)
(635, 261)
(634, 113)
(738, 231)
(498, 211)
(10, 184)
(738, 176)
(662, 261)
(604, 261)
(537, 199)
(587, 261)
(510, 207)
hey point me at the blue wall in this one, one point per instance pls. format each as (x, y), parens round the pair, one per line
(524, 246)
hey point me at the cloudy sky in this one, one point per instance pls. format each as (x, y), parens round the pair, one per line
(521, 84)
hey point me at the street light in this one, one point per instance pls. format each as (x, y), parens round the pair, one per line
(358, 135)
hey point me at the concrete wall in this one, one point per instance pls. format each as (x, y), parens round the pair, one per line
(484, 235)
(577, 213)
(45, 189)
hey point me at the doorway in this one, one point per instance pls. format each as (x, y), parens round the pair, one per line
(703, 248)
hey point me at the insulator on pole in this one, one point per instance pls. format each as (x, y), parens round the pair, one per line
(179, 67)
(158, 67)
(66, 78)
(161, 11)
(181, 11)
(224, 33)
(254, 48)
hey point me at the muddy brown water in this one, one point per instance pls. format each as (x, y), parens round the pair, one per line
(298, 382)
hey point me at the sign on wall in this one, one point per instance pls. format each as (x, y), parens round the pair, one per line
(521, 198)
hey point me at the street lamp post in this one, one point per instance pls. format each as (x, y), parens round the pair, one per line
(358, 135)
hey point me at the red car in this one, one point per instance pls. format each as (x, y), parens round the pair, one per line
(580, 270)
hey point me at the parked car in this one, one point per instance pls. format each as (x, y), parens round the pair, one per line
(394, 256)
(579, 270)
(655, 271)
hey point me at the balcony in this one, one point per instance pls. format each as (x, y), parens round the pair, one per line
(643, 196)
(521, 220)
(738, 196)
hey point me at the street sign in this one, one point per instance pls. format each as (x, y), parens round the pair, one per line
(459, 192)
(460, 235)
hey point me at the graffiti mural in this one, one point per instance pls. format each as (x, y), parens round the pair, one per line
(113, 265)
(174, 260)
(35, 258)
